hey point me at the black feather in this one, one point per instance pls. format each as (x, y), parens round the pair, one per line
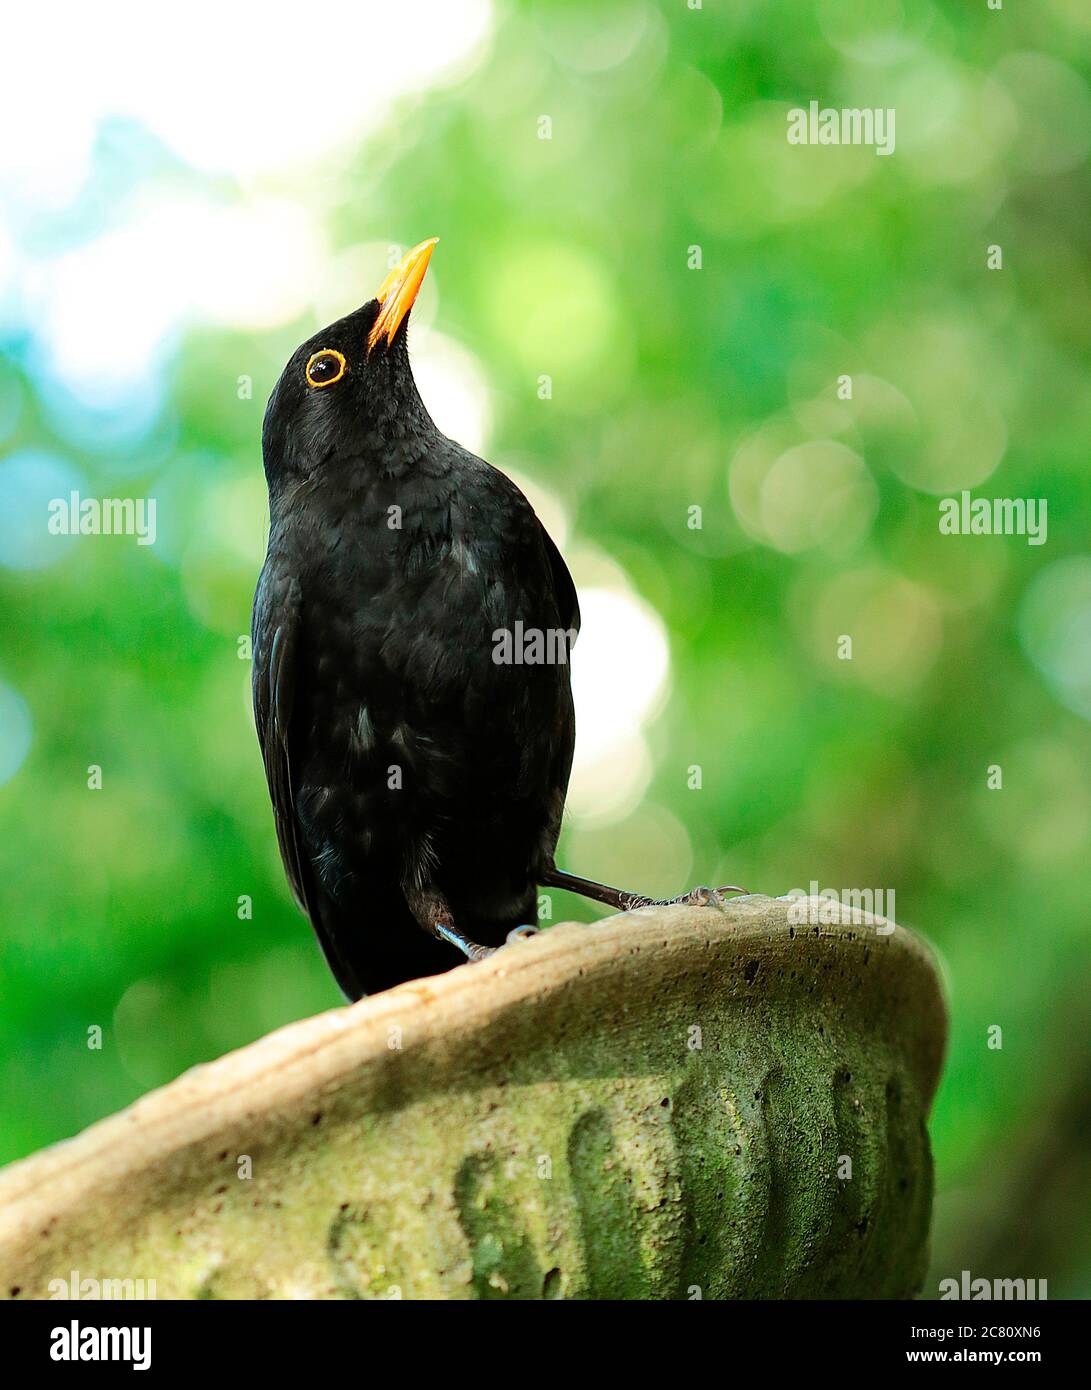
(400, 756)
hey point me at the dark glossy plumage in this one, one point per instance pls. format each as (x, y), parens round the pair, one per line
(373, 659)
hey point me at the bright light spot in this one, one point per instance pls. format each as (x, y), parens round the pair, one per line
(819, 493)
(250, 267)
(452, 387)
(351, 276)
(232, 520)
(604, 790)
(650, 853)
(1044, 816)
(619, 678)
(871, 31)
(15, 733)
(107, 309)
(110, 418)
(961, 127)
(794, 495)
(7, 262)
(225, 551)
(242, 88)
(1055, 629)
(895, 627)
(29, 481)
(1053, 109)
(143, 1024)
(593, 38)
(548, 507)
(48, 169)
(553, 304)
(947, 368)
(755, 179)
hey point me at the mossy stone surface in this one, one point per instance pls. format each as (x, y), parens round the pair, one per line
(674, 1103)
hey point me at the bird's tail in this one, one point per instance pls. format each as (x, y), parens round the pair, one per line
(375, 942)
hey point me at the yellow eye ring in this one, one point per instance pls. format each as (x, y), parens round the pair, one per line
(342, 367)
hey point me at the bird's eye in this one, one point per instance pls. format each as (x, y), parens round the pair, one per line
(325, 367)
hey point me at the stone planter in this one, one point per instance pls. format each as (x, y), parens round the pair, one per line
(674, 1103)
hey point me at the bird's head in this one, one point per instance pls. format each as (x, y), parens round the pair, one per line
(348, 391)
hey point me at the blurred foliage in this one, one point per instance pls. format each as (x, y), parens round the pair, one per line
(672, 387)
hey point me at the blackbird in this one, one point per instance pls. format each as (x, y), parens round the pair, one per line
(412, 629)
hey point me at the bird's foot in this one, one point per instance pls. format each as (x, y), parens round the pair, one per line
(696, 897)
(474, 952)
(470, 949)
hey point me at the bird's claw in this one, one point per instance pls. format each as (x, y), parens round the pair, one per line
(475, 953)
(709, 897)
(716, 897)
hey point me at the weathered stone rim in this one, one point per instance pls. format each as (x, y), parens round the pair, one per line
(270, 1079)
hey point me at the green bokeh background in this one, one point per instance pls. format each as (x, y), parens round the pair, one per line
(672, 387)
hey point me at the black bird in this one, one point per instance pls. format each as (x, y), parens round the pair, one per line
(417, 777)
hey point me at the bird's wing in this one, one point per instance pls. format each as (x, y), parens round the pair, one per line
(275, 640)
(568, 605)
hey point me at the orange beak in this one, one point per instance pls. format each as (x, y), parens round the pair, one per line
(399, 290)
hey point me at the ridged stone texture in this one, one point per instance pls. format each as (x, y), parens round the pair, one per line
(673, 1103)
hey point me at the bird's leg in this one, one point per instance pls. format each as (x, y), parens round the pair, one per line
(624, 902)
(430, 909)
(470, 949)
